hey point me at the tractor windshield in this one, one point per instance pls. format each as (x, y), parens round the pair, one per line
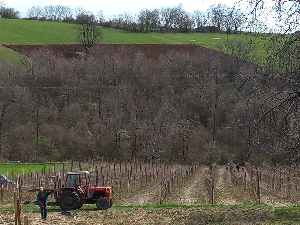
(72, 180)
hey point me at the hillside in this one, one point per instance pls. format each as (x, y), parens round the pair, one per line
(186, 100)
(149, 118)
(33, 32)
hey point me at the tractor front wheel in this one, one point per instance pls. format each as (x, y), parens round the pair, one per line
(69, 200)
(102, 203)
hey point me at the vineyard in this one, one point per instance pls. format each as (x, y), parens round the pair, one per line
(124, 178)
(141, 184)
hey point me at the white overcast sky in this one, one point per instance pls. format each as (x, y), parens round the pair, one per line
(116, 6)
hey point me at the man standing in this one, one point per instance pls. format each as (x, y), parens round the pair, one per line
(42, 200)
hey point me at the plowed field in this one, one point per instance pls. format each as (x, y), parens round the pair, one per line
(77, 50)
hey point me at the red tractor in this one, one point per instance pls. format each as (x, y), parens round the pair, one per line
(78, 191)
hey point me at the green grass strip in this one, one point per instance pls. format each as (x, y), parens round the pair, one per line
(19, 168)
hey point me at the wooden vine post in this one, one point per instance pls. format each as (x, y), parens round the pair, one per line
(160, 187)
(18, 206)
(212, 193)
(2, 193)
(26, 220)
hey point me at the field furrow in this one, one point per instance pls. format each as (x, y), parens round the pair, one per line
(192, 191)
(224, 192)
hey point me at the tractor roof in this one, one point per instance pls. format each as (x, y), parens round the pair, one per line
(78, 173)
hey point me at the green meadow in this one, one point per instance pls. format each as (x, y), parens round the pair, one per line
(31, 32)
(19, 168)
(113, 36)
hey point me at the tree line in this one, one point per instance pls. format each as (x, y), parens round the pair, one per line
(9, 13)
(218, 18)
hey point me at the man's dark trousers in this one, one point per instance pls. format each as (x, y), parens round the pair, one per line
(43, 211)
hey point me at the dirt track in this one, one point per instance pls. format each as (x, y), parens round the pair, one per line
(193, 192)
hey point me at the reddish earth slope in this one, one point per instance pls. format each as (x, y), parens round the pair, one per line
(77, 50)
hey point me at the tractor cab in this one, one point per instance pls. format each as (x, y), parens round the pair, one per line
(81, 178)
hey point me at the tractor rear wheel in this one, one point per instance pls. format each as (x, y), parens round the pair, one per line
(111, 203)
(69, 200)
(102, 203)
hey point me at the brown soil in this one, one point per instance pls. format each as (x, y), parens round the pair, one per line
(77, 50)
(67, 51)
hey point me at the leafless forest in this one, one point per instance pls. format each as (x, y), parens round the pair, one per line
(194, 106)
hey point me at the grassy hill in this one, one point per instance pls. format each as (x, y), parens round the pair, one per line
(32, 32)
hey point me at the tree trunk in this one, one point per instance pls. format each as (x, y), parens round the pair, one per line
(1, 123)
(37, 134)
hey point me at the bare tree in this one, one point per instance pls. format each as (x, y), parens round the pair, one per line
(2, 5)
(145, 19)
(61, 12)
(287, 12)
(117, 20)
(89, 33)
(67, 13)
(182, 20)
(283, 55)
(228, 20)
(217, 13)
(9, 13)
(238, 19)
(167, 18)
(127, 20)
(148, 19)
(200, 20)
(154, 21)
(57, 12)
(35, 12)
(101, 17)
(49, 12)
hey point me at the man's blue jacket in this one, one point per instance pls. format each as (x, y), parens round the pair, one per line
(39, 197)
